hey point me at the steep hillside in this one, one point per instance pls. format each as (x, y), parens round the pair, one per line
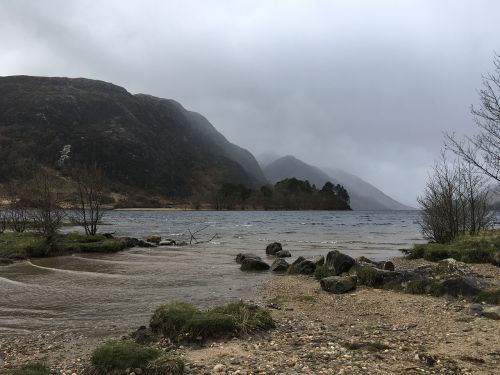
(139, 141)
(364, 196)
(289, 166)
(367, 196)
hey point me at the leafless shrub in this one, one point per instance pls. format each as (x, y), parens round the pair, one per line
(91, 194)
(46, 208)
(3, 221)
(455, 202)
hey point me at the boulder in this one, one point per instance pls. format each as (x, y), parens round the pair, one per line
(143, 335)
(241, 256)
(273, 248)
(252, 264)
(154, 239)
(279, 265)
(338, 284)
(283, 254)
(134, 242)
(318, 260)
(368, 274)
(452, 266)
(302, 266)
(388, 265)
(492, 312)
(339, 262)
(460, 286)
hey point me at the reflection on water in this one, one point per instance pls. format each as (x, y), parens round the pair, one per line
(93, 292)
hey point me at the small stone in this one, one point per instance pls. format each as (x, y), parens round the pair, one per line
(219, 368)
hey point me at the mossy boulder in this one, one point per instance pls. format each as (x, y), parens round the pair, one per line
(302, 266)
(338, 284)
(279, 265)
(339, 262)
(283, 254)
(273, 248)
(242, 256)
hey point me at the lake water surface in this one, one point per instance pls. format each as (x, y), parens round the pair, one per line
(97, 293)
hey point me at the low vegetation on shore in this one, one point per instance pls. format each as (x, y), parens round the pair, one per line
(481, 248)
(19, 246)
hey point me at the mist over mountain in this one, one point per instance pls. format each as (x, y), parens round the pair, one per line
(364, 196)
(139, 141)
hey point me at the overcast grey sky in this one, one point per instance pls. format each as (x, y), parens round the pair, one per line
(366, 86)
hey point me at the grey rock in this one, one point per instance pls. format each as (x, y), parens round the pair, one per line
(283, 254)
(452, 266)
(279, 265)
(302, 266)
(167, 242)
(338, 284)
(241, 256)
(475, 309)
(318, 260)
(273, 248)
(339, 262)
(460, 286)
(492, 312)
(252, 264)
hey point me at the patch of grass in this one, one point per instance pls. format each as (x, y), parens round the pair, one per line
(184, 322)
(483, 248)
(424, 286)
(491, 296)
(365, 345)
(117, 356)
(16, 245)
(31, 369)
(166, 364)
(30, 244)
(323, 271)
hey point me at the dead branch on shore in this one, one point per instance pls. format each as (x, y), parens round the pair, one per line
(196, 241)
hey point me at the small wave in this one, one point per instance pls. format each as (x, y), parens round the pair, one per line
(80, 273)
(16, 283)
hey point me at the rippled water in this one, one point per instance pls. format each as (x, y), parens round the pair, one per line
(97, 294)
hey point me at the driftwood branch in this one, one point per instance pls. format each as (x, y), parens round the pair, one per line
(195, 240)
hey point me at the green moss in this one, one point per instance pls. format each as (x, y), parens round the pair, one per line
(117, 356)
(166, 364)
(483, 248)
(491, 296)
(184, 322)
(17, 245)
(31, 369)
(424, 286)
(323, 271)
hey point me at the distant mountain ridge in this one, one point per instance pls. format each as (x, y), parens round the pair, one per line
(364, 196)
(139, 141)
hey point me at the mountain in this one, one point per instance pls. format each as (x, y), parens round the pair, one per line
(289, 166)
(139, 141)
(364, 196)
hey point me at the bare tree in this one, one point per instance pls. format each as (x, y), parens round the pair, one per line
(3, 221)
(483, 149)
(91, 193)
(18, 213)
(46, 208)
(455, 201)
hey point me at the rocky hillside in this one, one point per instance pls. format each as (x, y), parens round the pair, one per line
(364, 196)
(140, 141)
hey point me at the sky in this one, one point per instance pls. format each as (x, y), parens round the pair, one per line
(366, 86)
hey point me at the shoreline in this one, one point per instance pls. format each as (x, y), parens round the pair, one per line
(366, 331)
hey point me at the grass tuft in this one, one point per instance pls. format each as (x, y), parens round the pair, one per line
(166, 364)
(184, 322)
(483, 248)
(491, 296)
(117, 356)
(323, 271)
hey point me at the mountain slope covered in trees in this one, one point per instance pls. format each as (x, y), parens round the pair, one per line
(139, 141)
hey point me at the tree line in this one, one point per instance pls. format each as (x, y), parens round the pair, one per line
(288, 194)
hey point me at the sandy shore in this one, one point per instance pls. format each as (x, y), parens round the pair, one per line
(368, 331)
